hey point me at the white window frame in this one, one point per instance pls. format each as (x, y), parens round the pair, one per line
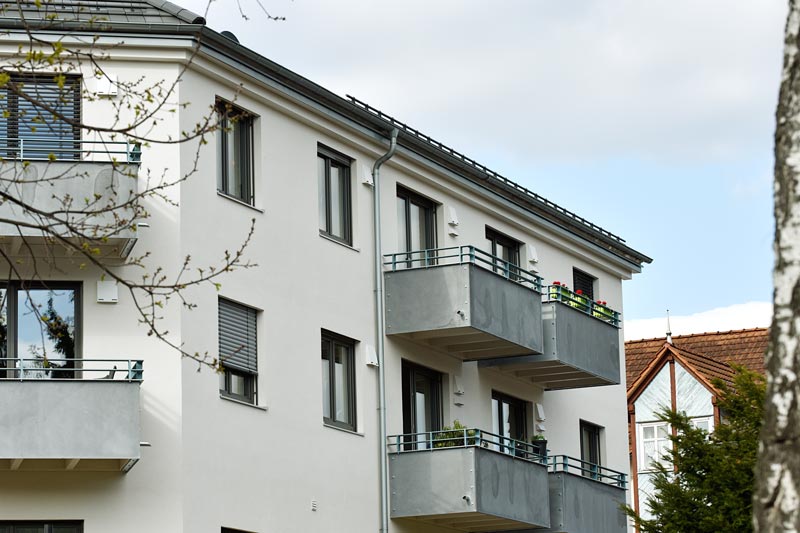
(642, 464)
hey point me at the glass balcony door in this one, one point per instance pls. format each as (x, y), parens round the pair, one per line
(422, 406)
(416, 227)
(508, 420)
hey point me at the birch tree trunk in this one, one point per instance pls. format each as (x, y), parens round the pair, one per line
(776, 506)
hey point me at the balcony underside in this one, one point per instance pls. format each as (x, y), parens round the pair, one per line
(66, 465)
(550, 374)
(115, 248)
(473, 522)
(464, 310)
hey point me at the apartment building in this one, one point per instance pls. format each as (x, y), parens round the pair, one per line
(400, 287)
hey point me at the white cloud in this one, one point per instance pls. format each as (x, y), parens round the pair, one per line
(739, 316)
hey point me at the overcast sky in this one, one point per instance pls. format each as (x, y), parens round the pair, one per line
(653, 119)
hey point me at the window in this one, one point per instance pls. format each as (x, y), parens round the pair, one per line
(235, 152)
(41, 527)
(43, 118)
(40, 328)
(338, 381)
(333, 175)
(422, 402)
(238, 350)
(506, 250)
(706, 423)
(509, 417)
(583, 282)
(416, 225)
(654, 444)
(590, 447)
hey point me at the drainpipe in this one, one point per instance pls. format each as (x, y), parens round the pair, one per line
(380, 328)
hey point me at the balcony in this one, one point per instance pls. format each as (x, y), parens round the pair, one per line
(468, 480)
(464, 302)
(81, 191)
(585, 497)
(581, 344)
(84, 417)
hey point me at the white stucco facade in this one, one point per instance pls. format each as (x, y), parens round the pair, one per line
(276, 466)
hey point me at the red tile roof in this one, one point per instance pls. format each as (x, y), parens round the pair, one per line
(709, 353)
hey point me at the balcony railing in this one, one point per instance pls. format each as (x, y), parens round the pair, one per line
(77, 369)
(430, 441)
(559, 293)
(69, 150)
(564, 463)
(462, 255)
(464, 437)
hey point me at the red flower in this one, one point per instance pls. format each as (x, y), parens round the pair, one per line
(579, 292)
(605, 303)
(556, 283)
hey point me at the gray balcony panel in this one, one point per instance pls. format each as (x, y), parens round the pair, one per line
(465, 310)
(86, 425)
(579, 351)
(579, 504)
(94, 192)
(469, 489)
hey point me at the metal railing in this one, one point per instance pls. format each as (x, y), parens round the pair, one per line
(463, 255)
(600, 311)
(69, 150)
(466, 437)
(77, 369)
(571, 465)
(431, 441)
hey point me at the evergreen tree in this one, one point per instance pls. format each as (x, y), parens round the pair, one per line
(707, 483)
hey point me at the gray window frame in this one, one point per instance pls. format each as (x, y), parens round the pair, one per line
(333, 158)
(335, 339)
(231, 116)
(248, 371)
(594, 432)
(46, 524)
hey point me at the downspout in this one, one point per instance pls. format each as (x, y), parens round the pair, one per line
(380, 328)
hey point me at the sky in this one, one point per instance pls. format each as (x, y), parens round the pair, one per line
(652, 119)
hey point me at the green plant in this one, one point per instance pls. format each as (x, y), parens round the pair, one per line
(538, 437)
(454, 436)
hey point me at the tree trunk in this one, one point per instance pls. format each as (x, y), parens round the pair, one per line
(777, 500)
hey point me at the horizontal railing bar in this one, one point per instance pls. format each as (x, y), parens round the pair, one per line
(60, 369)
(434, 257)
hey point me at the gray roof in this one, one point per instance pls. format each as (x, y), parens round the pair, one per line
(162, 17)
(98, 13)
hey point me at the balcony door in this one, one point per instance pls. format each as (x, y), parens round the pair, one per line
(416, 226)
(506, 250)
(508, 419)
(422, 403)
(39, 326)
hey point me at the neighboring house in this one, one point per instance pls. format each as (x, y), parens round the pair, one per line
(678, 373)
(288, 437)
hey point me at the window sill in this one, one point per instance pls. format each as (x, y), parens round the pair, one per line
(340, 243)
(240, 402)
(343, 430)
(240, 202)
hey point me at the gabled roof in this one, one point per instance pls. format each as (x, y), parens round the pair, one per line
(708, 355)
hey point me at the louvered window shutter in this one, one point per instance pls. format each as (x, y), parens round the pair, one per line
(584, 282)
(237, 336)
(45, 123)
